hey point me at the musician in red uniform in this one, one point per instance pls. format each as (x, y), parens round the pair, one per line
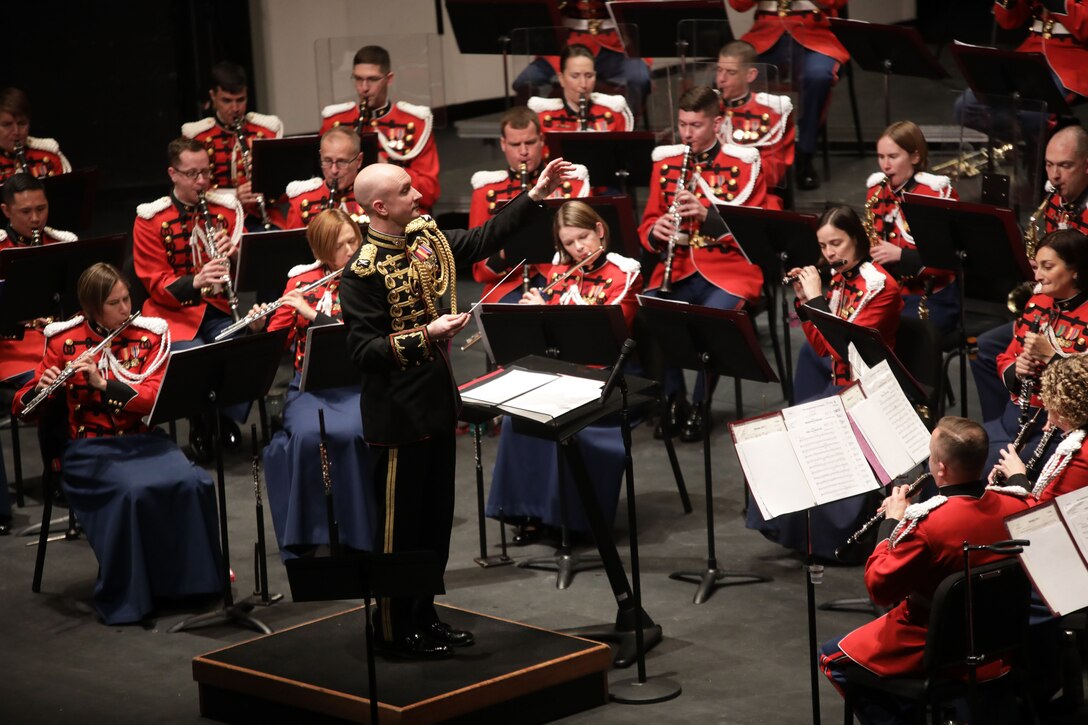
(903, 156)
(523, 146)
(921, 544)
(220, 135)
(19, 151)
(797, 34)
(707, 268)
(525, 483)
(579, 108)
(761, 120)
(148, 513)
(405, 130)
(341, 159)
(1059, 30)
(1053, 325)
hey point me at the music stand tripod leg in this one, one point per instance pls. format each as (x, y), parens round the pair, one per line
(483, 559)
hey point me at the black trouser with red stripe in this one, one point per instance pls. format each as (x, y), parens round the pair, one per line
(414, 491)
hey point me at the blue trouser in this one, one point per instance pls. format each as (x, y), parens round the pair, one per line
(943, 306)
(992, 394)
(814, 73)
(871, 707)
(696, 290)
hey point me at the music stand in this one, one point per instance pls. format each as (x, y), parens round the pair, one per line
(211, 377)
(279, 161)
(327, 363)
(536, 243)
(71, 199)
(264, 258)
(711, 341)
(777, 241)
(641, 24)
(363, 575)
(621, 155)
(484, 27)
(887, 49)
(995, 74)
(963, 237)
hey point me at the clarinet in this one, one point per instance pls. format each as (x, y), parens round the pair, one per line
(21, 164)
(583, 112)
(35, 237)
(878, 517)
(523, 181)
(238, 127)
(998, 476)
(326, 479)
(674, 212)
(1037, 455)
(212, 251)
(791, 278)
(1029, 384)
(364, 116)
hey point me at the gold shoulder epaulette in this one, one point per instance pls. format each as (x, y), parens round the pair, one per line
(363, 266)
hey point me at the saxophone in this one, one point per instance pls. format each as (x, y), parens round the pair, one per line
(868, 218)
(1021, 293)
(238, 127)
(211, 251)
(674, 212)
(583, 112)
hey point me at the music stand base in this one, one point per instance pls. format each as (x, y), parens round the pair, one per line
(626, 653)
(860, 605)
(633, 692)
(564, 564)
(489, 561)
(256, 600)
(234, 614)
(35, 529)
(710, 579)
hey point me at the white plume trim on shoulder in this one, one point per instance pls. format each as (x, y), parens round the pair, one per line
(539, 104)
(195, 128)
(54, 328)
(303, 269)
(154, 324)
(267, 120)
(151, 208)
(304, 186)
(335, 109)
(60, 235)
(486, 178)
(667, 152)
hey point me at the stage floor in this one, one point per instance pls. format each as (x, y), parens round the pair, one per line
(318, 671)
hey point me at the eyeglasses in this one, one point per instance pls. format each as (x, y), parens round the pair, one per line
(371, 80)
(340, 164)
(194, 174)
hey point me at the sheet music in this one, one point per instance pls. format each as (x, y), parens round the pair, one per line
(827, 450)
(509, 385)
(1073, 507)
(1051, 560)
(561, 395)
(858, 368)
(775, 476)
(880, 385)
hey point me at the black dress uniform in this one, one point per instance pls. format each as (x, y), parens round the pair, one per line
(389, 293)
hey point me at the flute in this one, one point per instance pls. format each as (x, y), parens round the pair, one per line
(269, 309)
(791, 278)
(878, 517)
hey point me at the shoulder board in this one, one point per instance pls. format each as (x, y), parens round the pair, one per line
(151, 208)
(195, 128)
(874, 278)
(874, 179)
(580, 172)
(337, 108)
(614, 103)
(223, 197)
(295, 188)
(486, 178)
(152, 324)
(933, 181)
(1018, 491)
(272, 123)
(57, 327)
(779, 104)
(747, 154)
(302, 269)
(364, 266)
(626, 264)
(423, 112)
(539, 104)
(667, 152)
(60, 235)
(43, 144)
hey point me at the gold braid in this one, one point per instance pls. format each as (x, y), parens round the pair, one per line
(435, 275)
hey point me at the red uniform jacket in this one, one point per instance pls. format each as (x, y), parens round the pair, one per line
(43, 158)
(615, 281)
(404, 138)
(325, 299)
(805, 22)
(163, 238)
(890, 224)
(1062, 214)
(489, 190)
(1066, 322)
(133, 367)
(307, 199)
(724, 174)
(224, 151)
(21, 350)
(907, 574)
(867, 296)
(603, 113)
(1061, 37)
(765, 122)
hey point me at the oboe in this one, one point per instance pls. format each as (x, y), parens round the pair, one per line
(998, 476)
(212, 251)
(583, 112)
(878, 517)
(674, 212)
(790, 279)
(269, 309)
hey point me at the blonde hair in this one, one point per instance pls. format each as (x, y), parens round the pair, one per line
(324, 232)
(910, 138)
(1065, 389)
(581, 215)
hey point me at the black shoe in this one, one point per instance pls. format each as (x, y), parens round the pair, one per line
(414, 647)
(807, 178)
(201, 442)
(525, 535)
(672, 418)
(693, 427)
(443, 633)
(5, 529)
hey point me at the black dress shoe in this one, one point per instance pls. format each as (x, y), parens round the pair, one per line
(443, 633)
(5, 529)
(807, 178)
(693, 427)
(672, 418)
(525, 535)
(201, 442)
(414, 646)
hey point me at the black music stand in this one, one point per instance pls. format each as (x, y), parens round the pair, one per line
(618, 159)
(964, 237)
(710, 341)
(997, 74)
(777, 241)
(483, 27)
(327, 363)
(212, 377)
(264, 258)
(362, 575)
(71, 199)
(887, 49)
(641, 24)
(279, 161)
(536, 243)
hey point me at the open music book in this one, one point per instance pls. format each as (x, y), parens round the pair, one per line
(1057, 559)
(543, 397)
(822, 451)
